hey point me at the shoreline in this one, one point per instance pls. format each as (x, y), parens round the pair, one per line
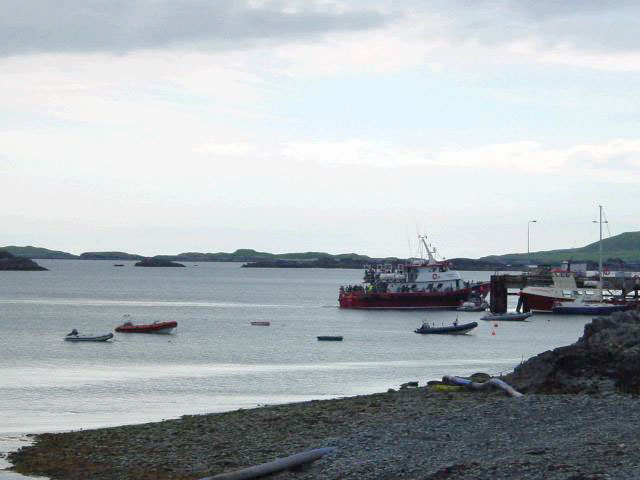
(411, 433)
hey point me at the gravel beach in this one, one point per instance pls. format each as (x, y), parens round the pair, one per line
(407, 434)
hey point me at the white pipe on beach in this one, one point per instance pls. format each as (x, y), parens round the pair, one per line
(494, 382)
(277, 465)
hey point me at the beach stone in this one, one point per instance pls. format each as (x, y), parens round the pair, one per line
(480, 377)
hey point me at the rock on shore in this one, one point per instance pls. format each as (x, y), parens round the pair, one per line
(11, 262)
(605, 359)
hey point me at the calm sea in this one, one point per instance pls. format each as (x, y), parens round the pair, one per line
(217, 361)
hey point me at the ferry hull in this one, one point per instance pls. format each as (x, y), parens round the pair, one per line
(404, 301)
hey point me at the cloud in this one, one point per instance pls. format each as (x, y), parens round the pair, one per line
(121, 26)
(617, 160)
(585, 25)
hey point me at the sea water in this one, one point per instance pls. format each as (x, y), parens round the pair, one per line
(218, 361)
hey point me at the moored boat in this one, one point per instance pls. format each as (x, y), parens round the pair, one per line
(564, 289)
(473, 306)
(88, 338)
(454, 329)
(558, 297)
(579, 307)
(155, 327)
(417, 284)
(507, 317)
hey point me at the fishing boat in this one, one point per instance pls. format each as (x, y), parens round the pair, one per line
(155, 327)
(563, 289)
(454, 329)
(557, 297)
(260, 323)
(579, 307)
(420, 283)
(76, 337)
(507, 317)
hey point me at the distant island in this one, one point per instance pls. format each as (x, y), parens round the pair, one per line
(14, 263)
(157, 262)
(621, 251)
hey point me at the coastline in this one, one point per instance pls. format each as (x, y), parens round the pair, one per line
(412, 433)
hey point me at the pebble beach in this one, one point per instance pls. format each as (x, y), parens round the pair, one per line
(406, 434)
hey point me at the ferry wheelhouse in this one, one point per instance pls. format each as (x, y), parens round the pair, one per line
(417, 284)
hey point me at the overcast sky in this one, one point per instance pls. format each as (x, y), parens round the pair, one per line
(160, 127)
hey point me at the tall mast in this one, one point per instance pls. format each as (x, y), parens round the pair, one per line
(600, 256)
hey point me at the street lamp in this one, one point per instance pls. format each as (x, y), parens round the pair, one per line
(600, 250)
(528, 224)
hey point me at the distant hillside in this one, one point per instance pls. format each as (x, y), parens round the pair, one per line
(37, 252)
(109, 256)
(625, 246)
(250, 255)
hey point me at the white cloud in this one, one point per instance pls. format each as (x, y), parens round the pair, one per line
(617, 160)
(225, 149)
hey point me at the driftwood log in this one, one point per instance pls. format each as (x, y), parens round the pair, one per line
(492, 383)
(277, 465)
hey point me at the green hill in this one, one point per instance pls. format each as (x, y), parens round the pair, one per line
(110, 256)
(625, 246)
(37, 252)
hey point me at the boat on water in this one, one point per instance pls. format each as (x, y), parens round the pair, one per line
(579, 307)
(454, 329)
(74, 336)
(155, 327)
(330, 338)
(557, 297)
(417, 284)
(260, 323)
(507, 317)
(473, 306)
(563, 289)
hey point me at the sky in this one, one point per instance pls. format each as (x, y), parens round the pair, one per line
(160, 127)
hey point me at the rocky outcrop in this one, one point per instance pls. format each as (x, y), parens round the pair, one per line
(157, 262)
(605, 359)
(11, 262)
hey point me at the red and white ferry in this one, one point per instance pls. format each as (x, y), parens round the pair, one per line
(417, 284)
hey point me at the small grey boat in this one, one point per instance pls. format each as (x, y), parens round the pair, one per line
(455, 329)
(88, 338)
(508, 317)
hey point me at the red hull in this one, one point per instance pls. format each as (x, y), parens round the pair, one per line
(159, 327)
(540, 303)
(406, 301)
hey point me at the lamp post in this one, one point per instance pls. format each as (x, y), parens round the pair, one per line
(528, 225)
(600, 221)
